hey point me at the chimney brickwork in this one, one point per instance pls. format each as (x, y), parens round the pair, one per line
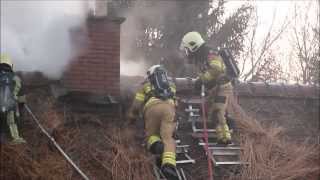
(97, 69)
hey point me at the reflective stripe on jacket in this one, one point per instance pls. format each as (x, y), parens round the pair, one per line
(145, 96)
(214, 69)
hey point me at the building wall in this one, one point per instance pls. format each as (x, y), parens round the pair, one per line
(298, 117)
(97, 68)
(295, 108)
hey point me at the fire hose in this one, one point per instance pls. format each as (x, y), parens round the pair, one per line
(205, 133)
(187, 82)
(56, 144)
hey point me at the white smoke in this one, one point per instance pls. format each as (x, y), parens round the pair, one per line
(132, 62)
(133, 68)
(36, 34)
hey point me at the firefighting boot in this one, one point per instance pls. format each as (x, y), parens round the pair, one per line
(223, 134)
(157, 148)
(16, 139)
(170, 172)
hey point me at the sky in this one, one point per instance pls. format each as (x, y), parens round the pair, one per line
(283, 10)
(36, 33)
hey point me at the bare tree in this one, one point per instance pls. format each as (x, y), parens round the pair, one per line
(259, 56)
(157, 27)
(307, 48)
(269, 70)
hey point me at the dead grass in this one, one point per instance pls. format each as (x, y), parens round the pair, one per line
(114, 155)
(100, 149)
(271, 157)
(125, 160)
(15, 164)
(103, 151)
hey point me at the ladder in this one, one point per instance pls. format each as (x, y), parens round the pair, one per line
(182, 155)
(182, 158)
(222, 155)
(159, 175)
(182, 150)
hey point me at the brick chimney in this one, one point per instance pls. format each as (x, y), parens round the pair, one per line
(97, 68)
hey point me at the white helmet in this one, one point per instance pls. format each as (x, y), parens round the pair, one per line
(152, 69)
(191, 42)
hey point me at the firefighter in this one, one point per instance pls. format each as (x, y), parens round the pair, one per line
(155, 100)
(213, 75)
(11, 82)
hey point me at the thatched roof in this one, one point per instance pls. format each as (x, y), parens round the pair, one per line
(260, 89)
(251, 89)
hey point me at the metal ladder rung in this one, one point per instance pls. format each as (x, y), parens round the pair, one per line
(194, 115)
(216, 146)
(201, 143)
(225, 148)
(182, 149)
(192, 110)
(183, 146)
(191, 101)
(186, 161)
(208, 130)
(209, 144)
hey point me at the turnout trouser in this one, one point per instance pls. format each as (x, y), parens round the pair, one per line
(217, 105)
(160, 125)
(13, 128)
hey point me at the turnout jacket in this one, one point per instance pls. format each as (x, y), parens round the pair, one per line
(213, 70)
(17, 89)
(145, 97)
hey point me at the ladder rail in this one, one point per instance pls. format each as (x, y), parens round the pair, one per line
(219, 155)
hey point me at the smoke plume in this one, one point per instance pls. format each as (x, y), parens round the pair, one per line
(36, 34)
(153, 13)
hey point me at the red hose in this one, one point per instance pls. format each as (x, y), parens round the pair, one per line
(205, 134)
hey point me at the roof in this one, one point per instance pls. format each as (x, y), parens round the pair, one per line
(249, 89)
(260, 89)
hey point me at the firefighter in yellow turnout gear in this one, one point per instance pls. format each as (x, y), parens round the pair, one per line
(213, 76)
(156, 101)
(10, 114)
